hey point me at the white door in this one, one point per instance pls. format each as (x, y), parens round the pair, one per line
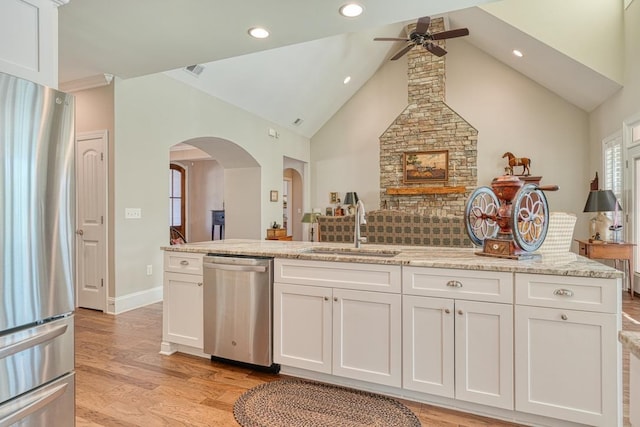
(367, 329)
(484, 353)
(428, 345)
(91, 184)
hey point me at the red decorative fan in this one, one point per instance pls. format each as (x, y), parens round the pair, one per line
(421, 36)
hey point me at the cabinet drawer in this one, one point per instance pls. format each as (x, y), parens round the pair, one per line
(491, 286)
(183, 262)
(578, 293)
(370, 277)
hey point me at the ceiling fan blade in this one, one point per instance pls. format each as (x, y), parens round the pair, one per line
(423, 24)
(402, 51)
(390, 39)
(435, 49)
(459, 32)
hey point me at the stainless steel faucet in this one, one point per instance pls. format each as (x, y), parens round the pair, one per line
(360, 220)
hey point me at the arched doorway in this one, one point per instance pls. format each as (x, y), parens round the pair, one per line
(221, 176)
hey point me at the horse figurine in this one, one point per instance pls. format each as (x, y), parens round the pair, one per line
(518, 161)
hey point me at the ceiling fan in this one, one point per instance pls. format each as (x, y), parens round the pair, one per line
(421, 36)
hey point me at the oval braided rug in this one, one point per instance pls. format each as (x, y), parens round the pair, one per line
(293, 402)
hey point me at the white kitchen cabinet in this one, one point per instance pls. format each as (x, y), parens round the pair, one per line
(566, 348)
(459, 349)
(32, 27)
(351, 333)
(302, 326)
(367, 332)
(182, 308)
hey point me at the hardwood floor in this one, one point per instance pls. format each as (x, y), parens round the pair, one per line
(122, 380)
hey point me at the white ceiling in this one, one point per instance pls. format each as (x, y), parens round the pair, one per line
(298, 72)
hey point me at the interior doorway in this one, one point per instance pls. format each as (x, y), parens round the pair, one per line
(221, 177)
(91, 218)
(292, 204)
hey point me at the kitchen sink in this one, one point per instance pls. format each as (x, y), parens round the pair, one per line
(381, 253)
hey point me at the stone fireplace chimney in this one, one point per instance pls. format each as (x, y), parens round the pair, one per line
(428, 124)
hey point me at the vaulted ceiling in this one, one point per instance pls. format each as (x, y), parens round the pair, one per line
(298, 72)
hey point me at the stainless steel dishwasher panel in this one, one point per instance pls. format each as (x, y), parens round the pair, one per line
(237, 299)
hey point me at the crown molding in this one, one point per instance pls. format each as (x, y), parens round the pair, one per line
(87, 83)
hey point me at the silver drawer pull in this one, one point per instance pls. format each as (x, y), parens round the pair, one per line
(564, 317)
(446, 310)
(184, 262)
(563, 292)
(454, 284)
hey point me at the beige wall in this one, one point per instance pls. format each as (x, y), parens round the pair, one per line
(205, 192)
(152, 114)
(510, 112)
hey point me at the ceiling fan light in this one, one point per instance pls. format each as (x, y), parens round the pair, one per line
(351, 10)
(258, 33)
(517, 53)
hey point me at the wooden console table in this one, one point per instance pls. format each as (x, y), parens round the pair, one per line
(610, 250)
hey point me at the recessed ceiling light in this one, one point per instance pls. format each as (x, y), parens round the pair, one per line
(517, 53)
(258, 32)
(346, 80)
(351, 10)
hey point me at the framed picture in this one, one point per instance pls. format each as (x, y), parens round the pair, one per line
(328, 211)
(333, 197)
(274, 196)
(425, 166)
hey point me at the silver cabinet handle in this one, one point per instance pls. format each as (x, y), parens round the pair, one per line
(454, 284)
(199, 283)
(446, 310)
(326, 298)
(80, 232)
(32, 341)
(335, 299)
(460, 312)
(184, 262)
(564, 317)
(563, 292)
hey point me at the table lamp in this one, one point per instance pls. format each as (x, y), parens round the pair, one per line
(602, 201)
(351, 199)
(310, 218)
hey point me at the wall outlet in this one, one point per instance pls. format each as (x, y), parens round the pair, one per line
(133, 213)
(149, 270)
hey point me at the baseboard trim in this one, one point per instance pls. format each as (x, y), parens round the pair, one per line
(135, 300)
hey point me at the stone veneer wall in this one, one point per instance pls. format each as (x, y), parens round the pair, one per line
(428, 124)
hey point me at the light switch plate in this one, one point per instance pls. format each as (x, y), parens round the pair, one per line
(133, 213)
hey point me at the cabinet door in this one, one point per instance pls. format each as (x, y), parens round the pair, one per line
(302, 326)
(367, 331)
(183, 309)
(484, 353)
(428, 345)
(566, 364)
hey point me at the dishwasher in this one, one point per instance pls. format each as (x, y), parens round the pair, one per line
(238, 310)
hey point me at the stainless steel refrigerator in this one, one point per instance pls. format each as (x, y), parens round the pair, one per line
(37, 220)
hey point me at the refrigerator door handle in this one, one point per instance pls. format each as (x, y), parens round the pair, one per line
(32, 341)
(41, 399)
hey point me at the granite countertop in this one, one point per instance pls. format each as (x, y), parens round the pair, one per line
(568, 264)
(631, 341)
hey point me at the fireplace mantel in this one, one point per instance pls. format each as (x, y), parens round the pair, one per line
(417, 191)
